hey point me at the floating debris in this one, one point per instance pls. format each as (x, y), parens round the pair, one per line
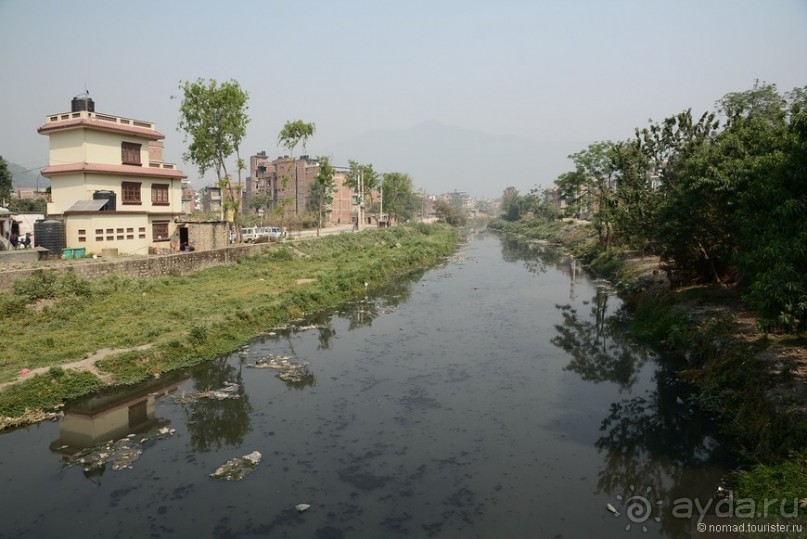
(122, 453)
(288, 370)
(238, 468)
(302, 507)
(230, 390)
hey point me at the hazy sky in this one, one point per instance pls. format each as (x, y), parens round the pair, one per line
(548, 71)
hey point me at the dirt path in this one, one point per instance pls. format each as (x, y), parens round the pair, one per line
(88, 364)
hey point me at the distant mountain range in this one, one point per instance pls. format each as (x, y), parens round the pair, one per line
(22, 177)
(442, 158)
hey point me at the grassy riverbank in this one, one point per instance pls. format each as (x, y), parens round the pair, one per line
(172, 322)
(753, 383)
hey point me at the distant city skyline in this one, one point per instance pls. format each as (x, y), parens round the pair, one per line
(462, 95)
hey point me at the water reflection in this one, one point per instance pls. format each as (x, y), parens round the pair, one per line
(600, 349)
(107, 416)
(657, 442)
(654, 445)
(213, 424)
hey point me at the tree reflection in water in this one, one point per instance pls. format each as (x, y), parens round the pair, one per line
(651, 441)
(655, 441)
(601, 350)
(365, 311)
(216, 423)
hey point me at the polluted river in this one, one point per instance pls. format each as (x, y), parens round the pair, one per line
(497, 395)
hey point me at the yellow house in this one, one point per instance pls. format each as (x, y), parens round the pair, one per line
(109, 183)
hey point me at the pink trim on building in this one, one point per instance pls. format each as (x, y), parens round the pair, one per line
(122, 170)
(101, 125)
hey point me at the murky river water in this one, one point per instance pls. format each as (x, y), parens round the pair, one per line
(495, 396)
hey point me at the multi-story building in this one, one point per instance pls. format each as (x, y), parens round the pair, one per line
(108, 181)
(188, 197)
(211, 199)
(289, 183)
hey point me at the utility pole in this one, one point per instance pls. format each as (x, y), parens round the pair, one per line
(381, 204)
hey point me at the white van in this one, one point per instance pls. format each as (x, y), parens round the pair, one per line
(252, 234)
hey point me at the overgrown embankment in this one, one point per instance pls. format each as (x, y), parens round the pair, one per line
(52, 320)
(754, 383)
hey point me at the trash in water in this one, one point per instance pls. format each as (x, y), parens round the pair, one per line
(302, 507)
(230, 390)
(238, 468)
(122, 453)
(287, 370)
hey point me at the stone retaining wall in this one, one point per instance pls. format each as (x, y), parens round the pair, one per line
(151, 266)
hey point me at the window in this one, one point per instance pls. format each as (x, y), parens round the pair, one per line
(131, 192)
(141, 233)
(82, 235)
(159, 231)
(159, 195)
(130, 153)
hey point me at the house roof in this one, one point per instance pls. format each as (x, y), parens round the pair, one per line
(101, 125)
(120, 170)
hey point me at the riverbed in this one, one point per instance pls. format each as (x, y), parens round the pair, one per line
(497, 395)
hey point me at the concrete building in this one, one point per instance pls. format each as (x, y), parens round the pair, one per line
(109, 184)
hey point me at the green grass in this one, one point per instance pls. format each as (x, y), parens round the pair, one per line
(786, 480)
(54, 320)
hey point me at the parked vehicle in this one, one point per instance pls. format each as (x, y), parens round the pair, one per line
(255, 233)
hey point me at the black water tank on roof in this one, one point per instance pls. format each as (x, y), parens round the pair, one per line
(49, 233)
(109, 196)
(82, 103)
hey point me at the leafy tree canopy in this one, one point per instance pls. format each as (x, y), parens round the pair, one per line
(213, 116)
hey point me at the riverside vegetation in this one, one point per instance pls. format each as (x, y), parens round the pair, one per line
(750, 380)
(701, 222)
(172, 322)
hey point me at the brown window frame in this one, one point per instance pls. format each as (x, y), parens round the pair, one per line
(160, 191)
(130, 153)
(128, 190)
(154, 231)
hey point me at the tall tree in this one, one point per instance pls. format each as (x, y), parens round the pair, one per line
(595, 178)
(637, 198)
(213, 116)
(511, 204)
(323, 188)
(397, 192)
(6, 181)
(767, 134)
(369, 179)
(293, 134)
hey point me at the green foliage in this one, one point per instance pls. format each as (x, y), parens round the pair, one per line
(364, 174)
(511, 204)
(323, 188)
(6, 180)
(41, 285)
(450, 214)
(397, 190)
(214, 117)
(723, 204)
(46, 391)
(783, 481)
(295, 132)
(24, 205)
